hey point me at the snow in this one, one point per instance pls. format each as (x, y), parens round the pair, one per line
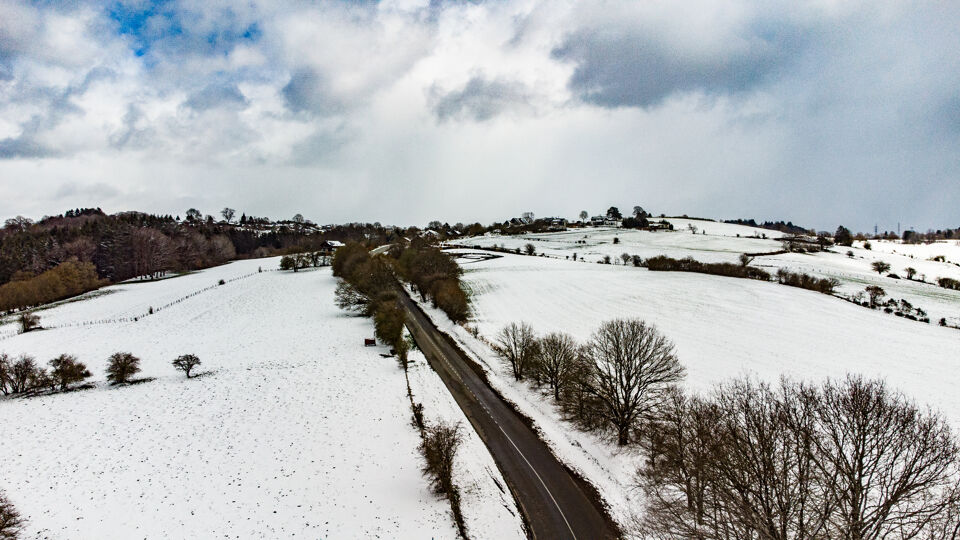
(295, 430)
(722, 328)
(721, 244)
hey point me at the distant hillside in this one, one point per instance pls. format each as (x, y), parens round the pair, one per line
(130, 245)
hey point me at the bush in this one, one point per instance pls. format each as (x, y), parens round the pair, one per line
(66, 370)
(121, 366)
(21, 376)
(186, 363)
(662, 263)
(439, 447)
(529, 249)
(11, 523)
(28, 322)
(806, 281)
(949, 283)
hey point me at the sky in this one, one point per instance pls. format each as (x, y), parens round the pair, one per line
(406, 111)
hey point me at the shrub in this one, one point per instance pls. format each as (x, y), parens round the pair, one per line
(66, 370)
(28, 322)
(22, 375)
(806, 281)
(879, 266)
(186, 363)
(121, 366)
(949, 283)
(529, 249)
(439, 447)
(662, 263)
(5, 374)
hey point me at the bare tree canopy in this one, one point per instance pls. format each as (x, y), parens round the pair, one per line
(633, 364)
(556, 355)
(849, 460)
(517, 344)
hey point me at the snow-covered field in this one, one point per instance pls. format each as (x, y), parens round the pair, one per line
(297, 431)
(722, 327)
(721, 243)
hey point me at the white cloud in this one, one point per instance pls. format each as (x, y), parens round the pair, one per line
(408, 110)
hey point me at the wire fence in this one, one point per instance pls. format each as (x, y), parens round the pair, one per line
(137, 318)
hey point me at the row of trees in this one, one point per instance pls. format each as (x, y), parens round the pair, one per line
(849, 459)
(24, 375)
(609, 383)
(305, 259)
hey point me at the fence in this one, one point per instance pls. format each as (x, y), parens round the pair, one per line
(136, 318)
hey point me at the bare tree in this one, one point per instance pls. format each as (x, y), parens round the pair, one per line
(22, 374)
(625, 257)
(556, 355)
(151, 252)
(910, 271)
(848, 460)
(66, 370)
(895, 466)
(584, 215)
(745, 260)
(517, 344)
(633, 364)
(529, 249)
(11, 523)
(121, 366)
(228, 214)
(879, 267)
(875, 293)
(186, 363)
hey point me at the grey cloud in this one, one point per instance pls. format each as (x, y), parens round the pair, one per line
(23, 147)
(26, 145)
(308, 91)
(480, 99)
(635, 67)
(216, 95)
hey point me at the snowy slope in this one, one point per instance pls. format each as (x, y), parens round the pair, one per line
(721, 244)
(722, 328)
(299, 431)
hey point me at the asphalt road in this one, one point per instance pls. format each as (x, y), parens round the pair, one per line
(556, 504)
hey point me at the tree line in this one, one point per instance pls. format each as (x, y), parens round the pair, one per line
(24, 375)
(131, 245)
(847, 459)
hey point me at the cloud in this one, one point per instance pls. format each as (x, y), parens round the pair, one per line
(634, 62)
(479, 99)
(216, 95)
(307, 91)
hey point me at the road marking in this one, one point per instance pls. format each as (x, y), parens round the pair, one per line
(540, 479)
(483, 406)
